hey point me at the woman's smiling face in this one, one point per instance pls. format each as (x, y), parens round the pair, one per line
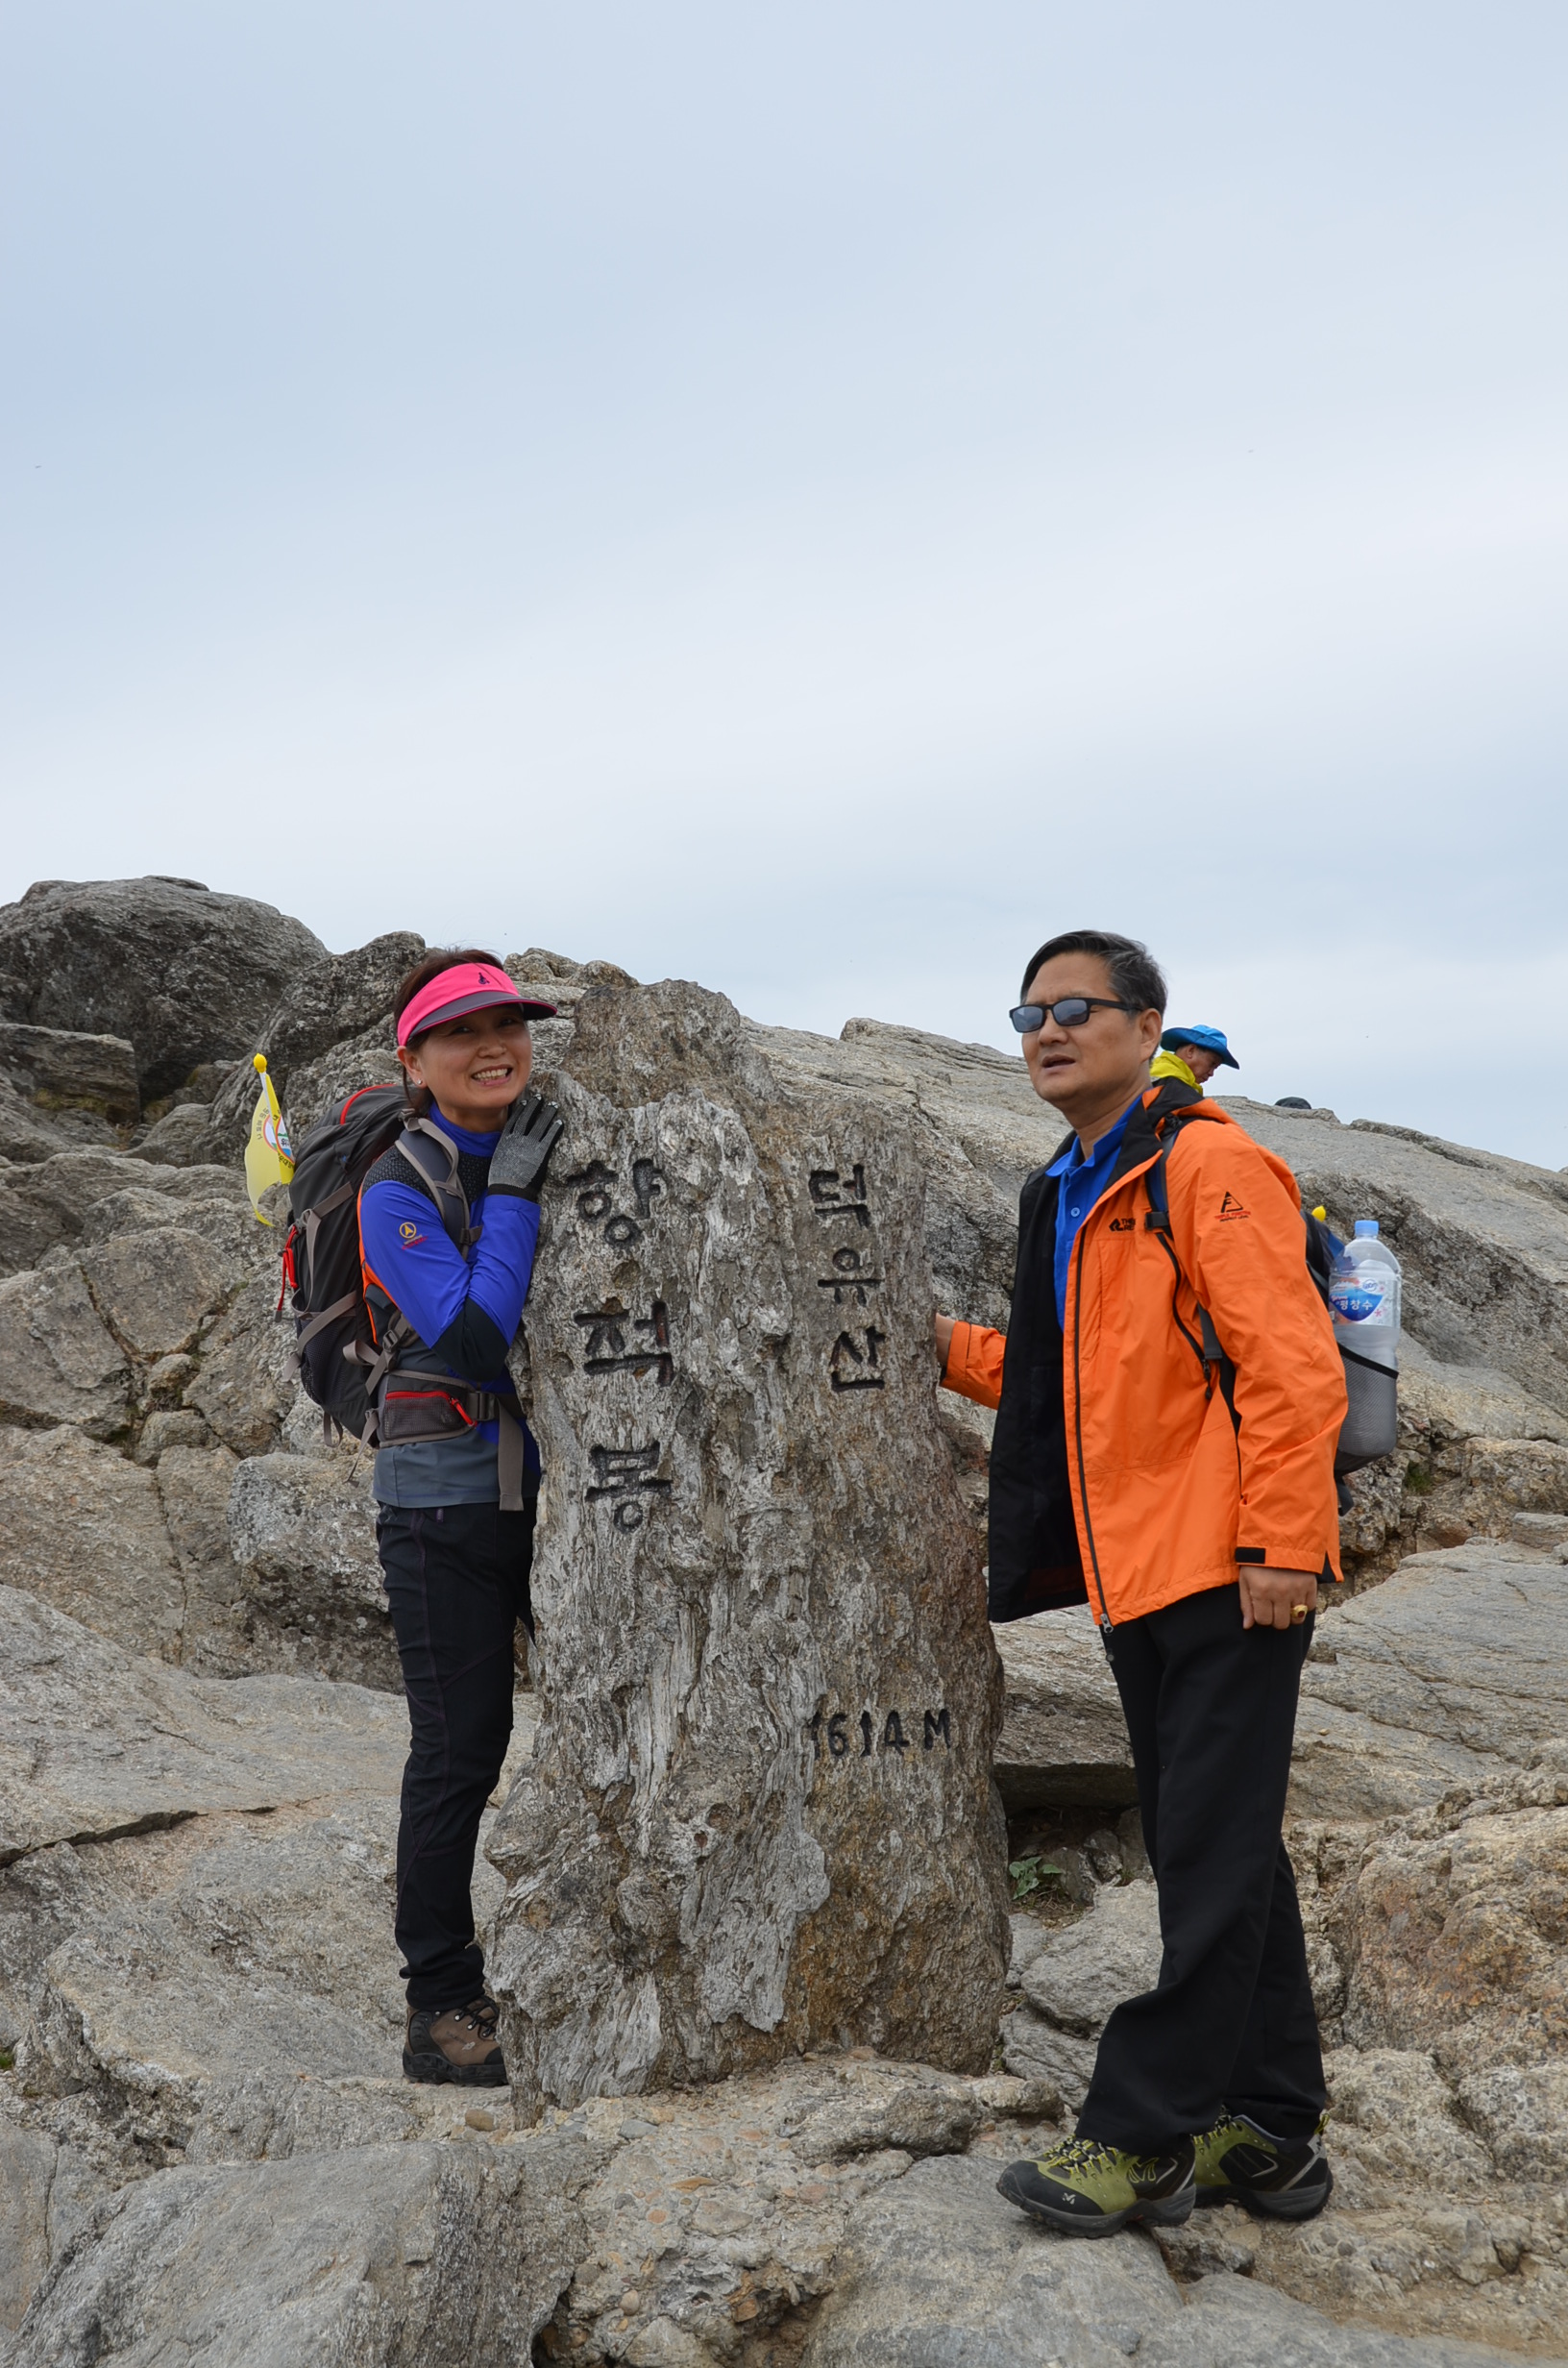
(475, 1065)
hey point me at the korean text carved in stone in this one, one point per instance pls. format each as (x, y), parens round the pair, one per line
(612, 1348)
(624, 1474)
(854, 1360)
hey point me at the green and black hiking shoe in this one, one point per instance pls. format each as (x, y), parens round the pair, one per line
(1086, 2189)
(1279, 2178)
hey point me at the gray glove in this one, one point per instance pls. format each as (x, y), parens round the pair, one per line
(519, 1160)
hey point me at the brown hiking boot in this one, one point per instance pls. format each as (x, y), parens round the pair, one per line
(456, 2043)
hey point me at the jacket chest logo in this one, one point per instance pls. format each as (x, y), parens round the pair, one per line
(1120, 1224)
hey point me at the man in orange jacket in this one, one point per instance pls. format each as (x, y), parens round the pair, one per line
(1168, 1398)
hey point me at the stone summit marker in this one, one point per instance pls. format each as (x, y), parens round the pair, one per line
(760, 1816)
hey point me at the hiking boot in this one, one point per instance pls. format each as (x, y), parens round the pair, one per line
(1086, 2189)
(1277, 2178)
(454, 2043)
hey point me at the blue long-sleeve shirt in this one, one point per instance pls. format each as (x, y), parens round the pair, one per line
(1083, 1180)
(465, 1309)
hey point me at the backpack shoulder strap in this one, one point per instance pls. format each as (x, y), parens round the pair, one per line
(1157, 1216)
(437, 1168)
(1157, 1220)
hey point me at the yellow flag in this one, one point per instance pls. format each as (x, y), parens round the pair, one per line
(269, 1156)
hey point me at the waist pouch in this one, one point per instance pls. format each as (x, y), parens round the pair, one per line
(413, 1407)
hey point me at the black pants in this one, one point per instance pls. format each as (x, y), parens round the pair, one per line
(458, 1580)
(1211, 1709)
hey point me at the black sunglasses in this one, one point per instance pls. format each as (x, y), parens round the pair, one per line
(1068, 1011)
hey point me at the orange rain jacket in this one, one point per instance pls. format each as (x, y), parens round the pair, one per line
(1117, 1469)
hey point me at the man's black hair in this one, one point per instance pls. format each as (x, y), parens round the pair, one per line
(1135, 977)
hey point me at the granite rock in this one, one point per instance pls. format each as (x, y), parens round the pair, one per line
(48, 1202)
(1036, 2049)
(301, 1532)
(1449, 1671)
(1234, 2322)
(27, 2171)
(153, 1289)
(227, 1941)
(219, 1636)
(58, 1362)
(95, 1743)
(1113, 1953)
(917, 2114)
(169, 1428)
(221, 1219)
(184, 975)
(83, 1529)
(58, 1070)
(267, 2115)
(246, 1388)
(1436, 2281)
(181, 1138)
(716, 2226)
(29, 1135)
(1456, 1934)
(931, 2273)
(1398, 2127)
(345, 997)
(761, 1811)
(1071, 1978)
(1520, 2113)
(1064, 1741)
(371, 2259)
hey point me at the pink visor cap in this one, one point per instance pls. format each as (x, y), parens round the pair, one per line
(468, 986)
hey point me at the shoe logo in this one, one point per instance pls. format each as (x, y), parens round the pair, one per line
(1230, 1207)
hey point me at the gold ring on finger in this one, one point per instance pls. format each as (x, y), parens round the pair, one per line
(1298, 1612)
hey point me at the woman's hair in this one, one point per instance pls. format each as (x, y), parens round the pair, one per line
(440, 958)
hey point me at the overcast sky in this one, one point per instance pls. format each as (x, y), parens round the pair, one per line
(814, 499)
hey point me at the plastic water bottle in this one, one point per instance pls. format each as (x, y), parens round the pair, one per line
(1365, 1293)
(1363, 1298)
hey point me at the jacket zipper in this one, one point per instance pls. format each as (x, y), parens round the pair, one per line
(1078, 1437)
(1103, 1622)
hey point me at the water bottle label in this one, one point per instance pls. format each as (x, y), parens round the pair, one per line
(1356, 1300)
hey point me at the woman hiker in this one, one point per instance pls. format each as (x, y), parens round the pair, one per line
(457, 1470)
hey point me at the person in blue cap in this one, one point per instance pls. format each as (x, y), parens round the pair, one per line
(1192, 1054)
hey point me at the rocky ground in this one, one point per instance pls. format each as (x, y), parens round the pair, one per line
(206, 2152)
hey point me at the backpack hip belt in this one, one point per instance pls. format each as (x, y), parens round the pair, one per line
(411, 1406)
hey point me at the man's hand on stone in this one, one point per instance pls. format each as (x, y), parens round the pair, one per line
(1275, 1598)
(944, 1338)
